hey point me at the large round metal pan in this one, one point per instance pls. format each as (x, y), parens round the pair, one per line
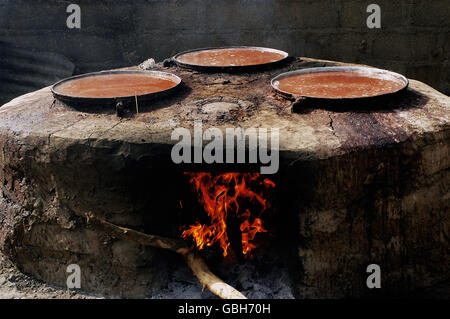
(128, 99)
(179, 59)
(401, 83)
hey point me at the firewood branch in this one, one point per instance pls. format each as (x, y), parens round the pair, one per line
(196, 263)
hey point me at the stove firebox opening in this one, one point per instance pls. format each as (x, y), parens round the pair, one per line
(235, 222)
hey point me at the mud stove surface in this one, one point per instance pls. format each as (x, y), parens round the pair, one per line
(358, 186)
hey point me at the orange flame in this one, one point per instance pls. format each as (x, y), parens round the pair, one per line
(225, 194)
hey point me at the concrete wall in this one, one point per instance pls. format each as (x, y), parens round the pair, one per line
(413, 40)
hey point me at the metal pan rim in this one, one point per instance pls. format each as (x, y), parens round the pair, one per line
(366, 70)
(64, 97)
(228, 67)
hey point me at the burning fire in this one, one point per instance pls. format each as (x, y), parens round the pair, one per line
(238, 195)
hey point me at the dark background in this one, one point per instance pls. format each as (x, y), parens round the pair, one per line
(414, 38)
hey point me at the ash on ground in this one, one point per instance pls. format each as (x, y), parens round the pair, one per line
(258, 278)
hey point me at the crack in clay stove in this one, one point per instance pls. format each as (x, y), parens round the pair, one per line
(62, 129)
(331, 125)
(89, 139)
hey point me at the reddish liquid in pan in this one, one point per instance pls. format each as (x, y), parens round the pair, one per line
(230, 57)
(338, 85)
(114, 85)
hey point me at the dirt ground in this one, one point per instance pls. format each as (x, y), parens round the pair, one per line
(16, 285)
(183, 285)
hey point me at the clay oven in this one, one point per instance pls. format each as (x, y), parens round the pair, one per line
(355, 186)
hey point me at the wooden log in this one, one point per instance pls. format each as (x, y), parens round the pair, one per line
(196, 263)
